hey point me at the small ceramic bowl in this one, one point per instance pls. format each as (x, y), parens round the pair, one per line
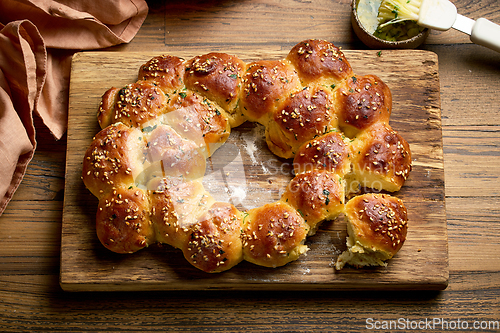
(377, 43)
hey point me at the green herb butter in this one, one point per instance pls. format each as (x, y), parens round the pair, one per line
(367, 14)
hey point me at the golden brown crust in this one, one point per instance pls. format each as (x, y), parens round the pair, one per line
(273, 235)
(133, 105)
(165, 218)
(214, 242)
(381, 158)
(113, 159)
(145, 169)
(122, 220)
(328, 152)
(175, 206)
(379, 222)
(319, 60)
(361, 102)
(266, 84)
(218, 77)
(171, 155)
(304, 115)
(165, 71)
(199, 120)
(316, 195)
(106, 112)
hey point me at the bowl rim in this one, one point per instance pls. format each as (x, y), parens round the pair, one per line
(415, 39)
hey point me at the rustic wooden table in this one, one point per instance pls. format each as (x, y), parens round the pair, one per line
(31, 298)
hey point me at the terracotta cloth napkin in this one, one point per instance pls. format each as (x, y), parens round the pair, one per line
(37, 40)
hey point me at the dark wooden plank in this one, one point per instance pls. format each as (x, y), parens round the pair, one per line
(421, 264)
(270, 23)
(471, 151)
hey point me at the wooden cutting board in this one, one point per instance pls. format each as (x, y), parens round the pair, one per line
(244, 172)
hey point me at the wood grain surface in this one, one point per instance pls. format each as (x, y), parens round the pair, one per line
(421, 264)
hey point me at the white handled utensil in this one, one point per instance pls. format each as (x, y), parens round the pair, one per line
(440, 15)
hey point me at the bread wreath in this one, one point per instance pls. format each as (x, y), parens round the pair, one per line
(145, 165)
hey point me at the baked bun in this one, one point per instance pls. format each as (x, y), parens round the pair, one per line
(197, 119)
(133, 105)
(266, 84)
(273, 235)
(380, 158)
(376, 227)
(114, 159)
(167, 154)
(218, 77)
(319, 61)
(122, 220)
(328, 152)
(303, 116)
(317, 195)
(146, 164)
(176, 205)
(214, 242)
(165, 71)
(362, 102)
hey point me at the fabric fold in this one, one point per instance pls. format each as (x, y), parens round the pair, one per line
(37, 41)
(22, 51)
(79, 25)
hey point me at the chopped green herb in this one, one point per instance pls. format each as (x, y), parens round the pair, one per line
(326, 193)
(148, 129)
(244, 217)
